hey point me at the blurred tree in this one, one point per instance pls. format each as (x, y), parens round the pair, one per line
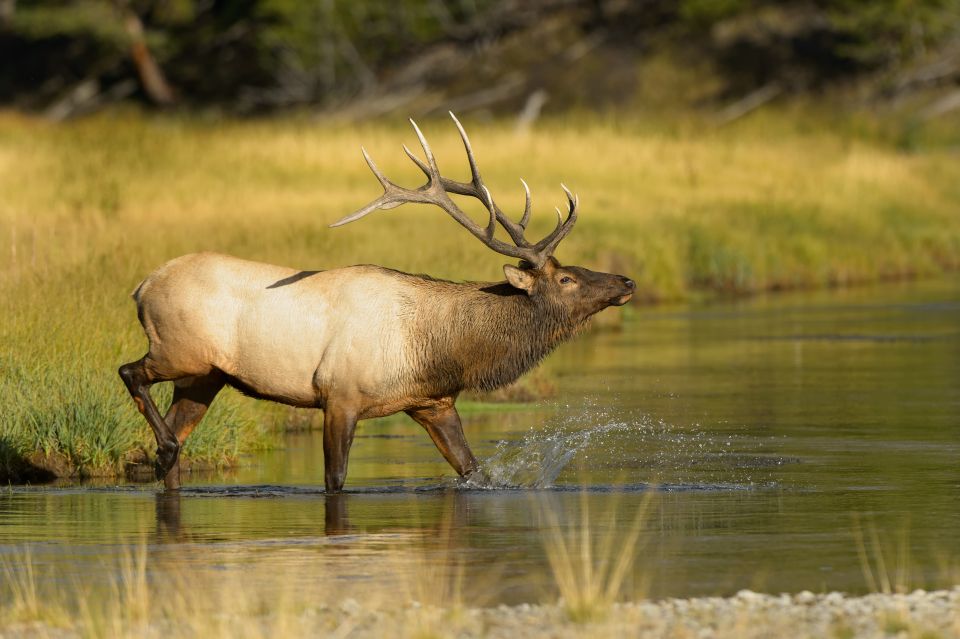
(806, 44)
(7, 9)
(255, 55)
(151, 75)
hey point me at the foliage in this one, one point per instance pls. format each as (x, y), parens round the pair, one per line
(804, 44)
(256, 55)
(266, 53)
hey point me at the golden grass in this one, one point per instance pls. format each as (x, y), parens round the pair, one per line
(88, 208)
(791, 208)
(590, 573)
(874, 561)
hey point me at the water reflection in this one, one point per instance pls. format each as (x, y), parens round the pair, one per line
(336, 517)
(761, 429)
(169, 524)
(170, 527)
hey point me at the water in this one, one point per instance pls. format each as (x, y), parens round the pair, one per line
(756, 440)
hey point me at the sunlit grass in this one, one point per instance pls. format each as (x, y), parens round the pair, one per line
(881, 571)
(886, 570)
(89, 208)
(591, 573)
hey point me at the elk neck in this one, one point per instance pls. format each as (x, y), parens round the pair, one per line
(481, 335)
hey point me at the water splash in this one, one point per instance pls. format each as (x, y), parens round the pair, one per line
(537, 458)
(627, 447)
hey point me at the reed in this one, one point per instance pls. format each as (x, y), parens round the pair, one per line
(590, 572)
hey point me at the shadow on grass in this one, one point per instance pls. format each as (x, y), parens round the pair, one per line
(17, 468)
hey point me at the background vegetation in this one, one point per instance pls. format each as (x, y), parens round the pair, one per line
(417, 56)
(723, 147)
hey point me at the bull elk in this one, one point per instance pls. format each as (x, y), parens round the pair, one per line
(362, 341)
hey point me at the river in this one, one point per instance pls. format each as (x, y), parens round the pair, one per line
(781, 443)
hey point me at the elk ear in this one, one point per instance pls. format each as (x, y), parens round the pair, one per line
(519, 278)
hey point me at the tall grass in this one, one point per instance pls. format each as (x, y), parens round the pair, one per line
(591, 573)
(89, 208)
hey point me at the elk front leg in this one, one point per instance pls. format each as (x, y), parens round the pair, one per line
(443, 424)
(338, 428)
(138, 378)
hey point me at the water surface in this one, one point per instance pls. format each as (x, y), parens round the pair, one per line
(755, 439)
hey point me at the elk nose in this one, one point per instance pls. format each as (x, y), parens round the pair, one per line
(629, 283)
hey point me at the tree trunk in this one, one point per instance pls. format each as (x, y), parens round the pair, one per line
(7, 9)
(151, 75)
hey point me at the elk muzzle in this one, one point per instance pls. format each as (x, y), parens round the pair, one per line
(629, 287)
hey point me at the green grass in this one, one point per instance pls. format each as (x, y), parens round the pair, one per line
(89, 208)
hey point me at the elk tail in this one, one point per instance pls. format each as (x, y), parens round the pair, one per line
(135, 294)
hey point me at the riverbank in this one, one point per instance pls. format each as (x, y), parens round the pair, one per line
(779, 201)
(745, 616)
(748, 615)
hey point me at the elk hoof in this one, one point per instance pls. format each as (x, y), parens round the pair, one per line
(476, 478)
(167, 455)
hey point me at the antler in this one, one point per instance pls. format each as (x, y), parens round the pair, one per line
(437, 189)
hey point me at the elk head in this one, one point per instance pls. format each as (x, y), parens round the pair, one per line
(576, 292)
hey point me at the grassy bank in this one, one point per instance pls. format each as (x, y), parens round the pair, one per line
(89, 208)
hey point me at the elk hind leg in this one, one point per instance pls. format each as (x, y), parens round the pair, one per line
(138, 377)
(192, 397)
(338, 429)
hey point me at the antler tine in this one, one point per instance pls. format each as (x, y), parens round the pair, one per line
(382, 202)
(572, 199)
(492, 226)
(434, 171)
(548, 244)
(474, 171)
(384, 182)
(526, 207)
(423, 167)
(388, 200)
(476, 181)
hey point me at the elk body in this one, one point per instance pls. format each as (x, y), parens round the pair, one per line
(362, 341)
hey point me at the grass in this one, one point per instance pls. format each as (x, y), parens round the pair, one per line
(588, 573)
(876, 573)
(89, 208)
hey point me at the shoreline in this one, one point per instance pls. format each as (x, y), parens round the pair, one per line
(746, 615)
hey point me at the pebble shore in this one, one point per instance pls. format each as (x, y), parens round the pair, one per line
(747, 615)
(920, 615)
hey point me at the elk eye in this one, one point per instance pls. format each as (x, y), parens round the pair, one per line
(566, 280)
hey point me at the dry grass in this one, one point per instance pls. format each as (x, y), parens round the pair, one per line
(591, 573)
(884, 569)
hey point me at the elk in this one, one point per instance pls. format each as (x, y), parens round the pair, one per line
(362, 341)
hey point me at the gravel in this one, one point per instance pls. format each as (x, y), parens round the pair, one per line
(919, 615)
(746, 615)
